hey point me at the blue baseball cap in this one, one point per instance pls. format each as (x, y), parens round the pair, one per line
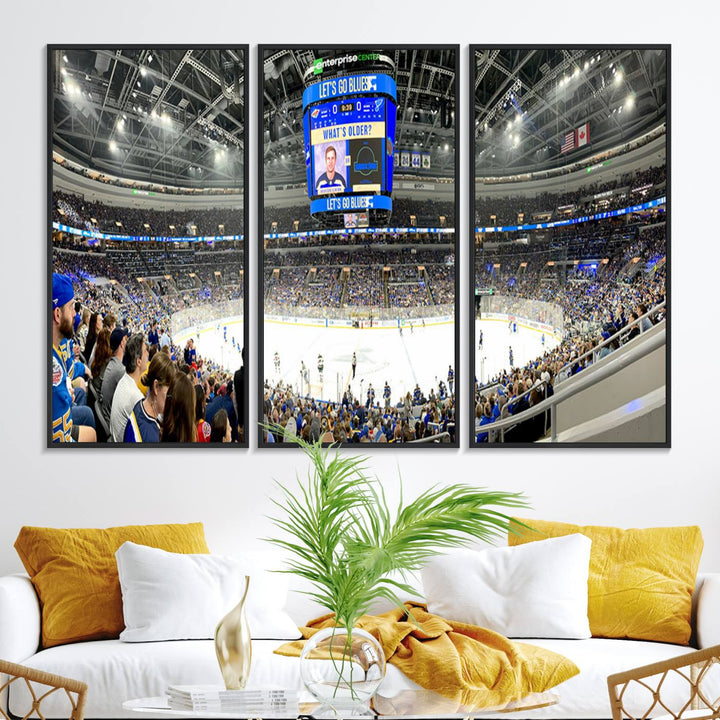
(62, 291)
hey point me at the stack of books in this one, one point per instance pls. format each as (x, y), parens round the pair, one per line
(251, 702)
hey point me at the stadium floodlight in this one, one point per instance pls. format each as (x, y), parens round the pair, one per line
(143, 71)
(149, 59)
(630, 101)
(113, 146)
(618, 77)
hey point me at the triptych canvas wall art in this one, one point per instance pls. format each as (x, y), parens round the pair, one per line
(359, 240)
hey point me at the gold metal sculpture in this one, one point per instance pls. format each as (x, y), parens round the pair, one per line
(232, 645)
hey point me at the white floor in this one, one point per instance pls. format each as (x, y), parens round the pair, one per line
(494, 355)
(420, 356)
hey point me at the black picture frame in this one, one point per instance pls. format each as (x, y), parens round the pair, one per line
(265, 50)
(242, 403)
(474, 81)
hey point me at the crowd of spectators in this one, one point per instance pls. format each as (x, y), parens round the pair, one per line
(598, 306)
(413, 417)
(379, 276)
(116, 382)
(74, 210)
(406, 212)
(583, 201)
(106, 286)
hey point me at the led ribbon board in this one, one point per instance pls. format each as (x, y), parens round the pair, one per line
(349, 129)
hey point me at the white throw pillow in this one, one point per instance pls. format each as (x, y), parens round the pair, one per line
(536, 590)
(176, 596)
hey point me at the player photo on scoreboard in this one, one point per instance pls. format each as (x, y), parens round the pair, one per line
(357, 306)
(570, 197)
(146, 246)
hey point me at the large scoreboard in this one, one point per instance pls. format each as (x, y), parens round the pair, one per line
(349, 130)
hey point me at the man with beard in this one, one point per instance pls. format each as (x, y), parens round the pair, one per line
(63, 429)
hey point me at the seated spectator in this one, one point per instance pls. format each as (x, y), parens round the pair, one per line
(143, 425)
(203, 426)
(220, 430)
(63, 427)
(127, 393)
(114, 370)
(178, 423)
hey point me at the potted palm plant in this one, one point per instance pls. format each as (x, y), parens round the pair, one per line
(343, 537)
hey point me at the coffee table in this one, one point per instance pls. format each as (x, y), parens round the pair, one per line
(406, 705)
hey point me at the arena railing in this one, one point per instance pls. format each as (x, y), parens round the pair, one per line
(440, 437)
(584, 382)
(618, 336)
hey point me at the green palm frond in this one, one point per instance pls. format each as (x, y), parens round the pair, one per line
(345, 540)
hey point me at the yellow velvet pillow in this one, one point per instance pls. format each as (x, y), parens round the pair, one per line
(75, 574)
(641, 580)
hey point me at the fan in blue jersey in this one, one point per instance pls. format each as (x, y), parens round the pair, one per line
(143, 425)
(451, 379)
(63, 429)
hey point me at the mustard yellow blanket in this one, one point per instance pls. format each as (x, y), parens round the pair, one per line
(469, 665)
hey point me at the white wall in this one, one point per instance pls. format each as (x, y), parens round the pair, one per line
(228, 490)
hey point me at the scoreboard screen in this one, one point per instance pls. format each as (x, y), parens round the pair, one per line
(349, 128)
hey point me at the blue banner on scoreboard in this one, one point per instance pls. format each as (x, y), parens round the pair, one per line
(350, 203)
(390, 115)
(367, 84)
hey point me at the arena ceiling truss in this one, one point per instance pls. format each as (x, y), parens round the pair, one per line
(426, 85)
(171, 116)
(528, 100)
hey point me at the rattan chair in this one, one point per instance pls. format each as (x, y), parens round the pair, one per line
(697, 672)
(41, 685)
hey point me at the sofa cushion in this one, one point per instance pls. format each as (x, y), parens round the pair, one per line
(534, 590)
(178, 596)
(75, 574)
(641, 580)
(117, 671)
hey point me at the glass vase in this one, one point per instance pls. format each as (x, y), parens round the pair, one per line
(342, 670)
(233, 646)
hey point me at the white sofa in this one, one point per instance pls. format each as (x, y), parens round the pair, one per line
(116, 671)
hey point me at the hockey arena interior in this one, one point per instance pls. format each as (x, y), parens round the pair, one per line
(570, 260)
(148, 245)
(358, 305)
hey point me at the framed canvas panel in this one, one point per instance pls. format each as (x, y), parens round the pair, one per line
(358, 208)
(147, 217)
(570, 228)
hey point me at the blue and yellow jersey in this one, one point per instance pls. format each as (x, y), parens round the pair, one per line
(140, 426)
(74, 368)
(62, 397)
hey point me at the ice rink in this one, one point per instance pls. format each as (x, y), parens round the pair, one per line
(494, 355)
(210, 342)
(421, 356)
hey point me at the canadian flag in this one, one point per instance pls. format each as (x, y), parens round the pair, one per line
(583, 135)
